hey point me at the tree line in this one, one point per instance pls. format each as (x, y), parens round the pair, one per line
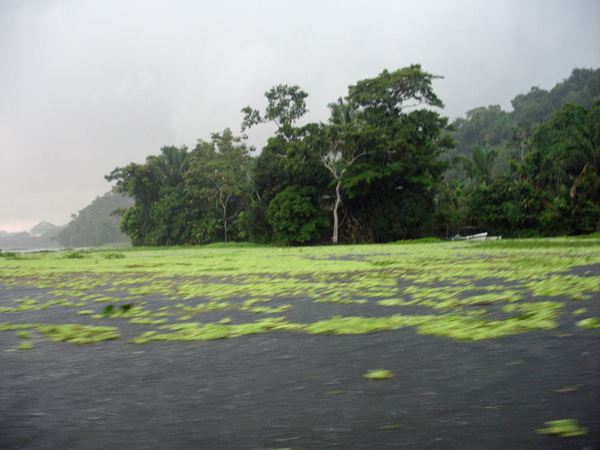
(386, 166)
(529, 172)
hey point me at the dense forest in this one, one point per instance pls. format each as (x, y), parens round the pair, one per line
(385, 167)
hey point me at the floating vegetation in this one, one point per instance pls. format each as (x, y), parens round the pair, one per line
(378, 374)
(343, 301)
(25, 345)
(207, 332)
(18, 326)
(563, 428)
(464, 291)
(147, 321)
(79, 334)
(591, 323)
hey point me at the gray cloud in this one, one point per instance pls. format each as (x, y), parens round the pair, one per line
(86, 86)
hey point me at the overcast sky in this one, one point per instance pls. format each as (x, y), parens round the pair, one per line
(87, 86)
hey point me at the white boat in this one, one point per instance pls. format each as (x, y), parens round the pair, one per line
(476, 237)
(471, 237)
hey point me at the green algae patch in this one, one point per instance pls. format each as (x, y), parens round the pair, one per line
(452, 282)
(463, 328)
(25, 345)
(207, 332)
(591, 323)
(343, 301)
(208, 306)
(361, 325)
(563, 428)
(147, 321)
(269, 310)
(79, 334)
(378, 374)
(18, 326)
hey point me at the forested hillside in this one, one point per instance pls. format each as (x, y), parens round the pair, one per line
(97, 223)
(508, 134)
(39, 237)
(529, 172)
(386, 166)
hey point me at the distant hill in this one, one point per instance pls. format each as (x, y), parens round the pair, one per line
(96, 224)
(43, 228)
(510, 133)
(40, 237)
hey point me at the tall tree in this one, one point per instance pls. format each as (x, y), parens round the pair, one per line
(172, 164)
(339, 145)
(391, 189)
(222, 175)
(479, 169)
(285, 162)
(286, 104)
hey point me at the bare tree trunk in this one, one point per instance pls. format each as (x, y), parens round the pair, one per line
(224, 207)
(225, 222)
(338, 201)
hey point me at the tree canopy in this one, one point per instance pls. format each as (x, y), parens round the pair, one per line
(385, 166)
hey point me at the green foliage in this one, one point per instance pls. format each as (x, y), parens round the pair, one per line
(390, 190)
(377, 168)
(295, 215)
(388, 93)
(10, 255)
(219, 180)
(114, 255)
(556, 190)
(110, 310)
(430, 240)
(75, 255)
(186, 197)
(286, 104)
(510, 133)
(537, 200)
(479, 169)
